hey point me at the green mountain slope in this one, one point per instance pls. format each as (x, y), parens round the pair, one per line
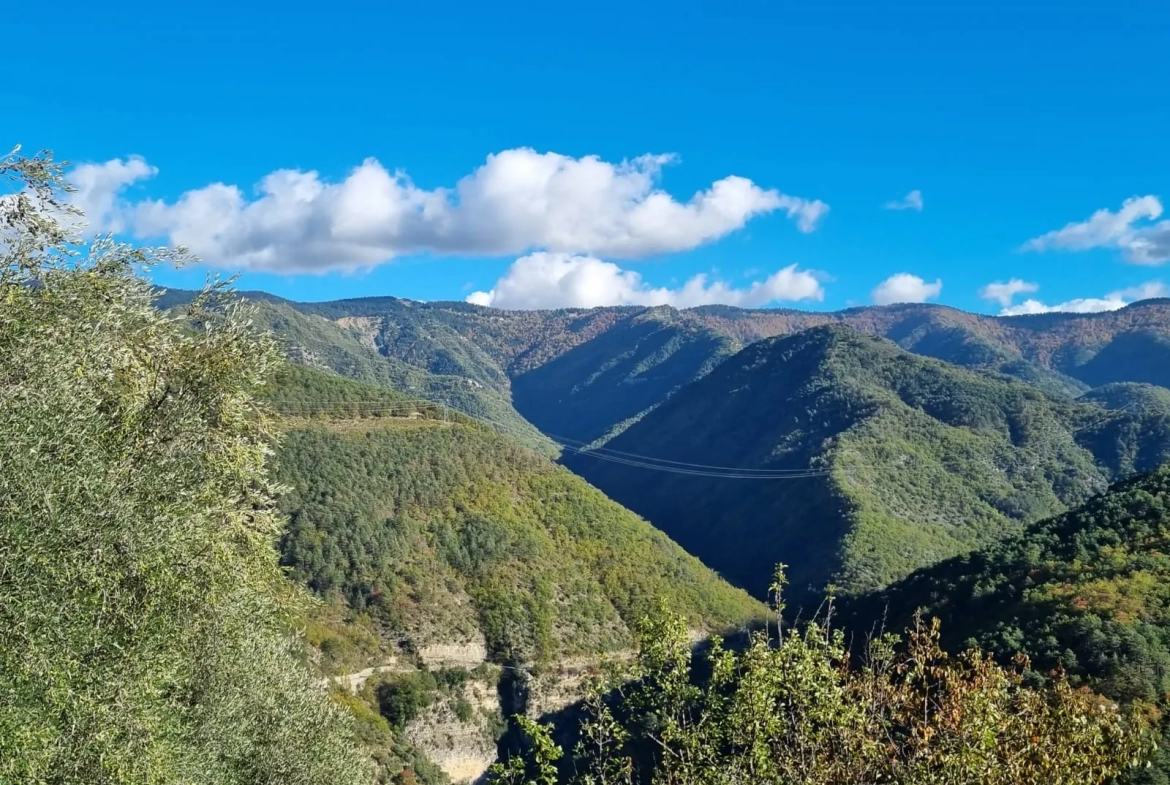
(1131, 395)
(572, 373)
(1064, 350)
(960, 338)
(1088, 590)
(350, 347)
(920, 460)
(447, 533)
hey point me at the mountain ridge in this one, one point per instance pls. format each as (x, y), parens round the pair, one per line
(920, 457)
(511, 353)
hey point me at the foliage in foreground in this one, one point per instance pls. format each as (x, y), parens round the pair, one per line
(1087, 591)
(143, 614)
(795, 711)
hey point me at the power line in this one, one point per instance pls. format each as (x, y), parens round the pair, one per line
(614, 456)
(575, 444)
(428, 410)
(358, 410)
(371, 401)
(714, 472)
(634, 460)
(341, 412)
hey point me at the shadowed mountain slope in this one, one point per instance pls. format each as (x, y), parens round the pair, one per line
(917, 460)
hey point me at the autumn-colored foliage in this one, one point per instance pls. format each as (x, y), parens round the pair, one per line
(800, 711)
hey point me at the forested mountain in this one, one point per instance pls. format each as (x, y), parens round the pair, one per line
(584, 376)
(1093, 349)
(1131, 396)
(915, 459)
(1088, 591)
(350, 349)
(584, 373)
(617, 377)
(450, 557)
(445, 533)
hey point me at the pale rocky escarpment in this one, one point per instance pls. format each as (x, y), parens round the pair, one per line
(562, 684)
(364, 328)
(463, 748)
(454, 655)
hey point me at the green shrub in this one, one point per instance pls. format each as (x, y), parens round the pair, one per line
(402, 697)
(793, 711)
(464, 711)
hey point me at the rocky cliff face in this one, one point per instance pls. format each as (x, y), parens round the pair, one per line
(461, 729)
(461, 742)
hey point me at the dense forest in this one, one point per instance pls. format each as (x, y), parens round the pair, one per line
(447, 531)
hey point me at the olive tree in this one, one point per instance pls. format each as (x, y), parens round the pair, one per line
(144, 620)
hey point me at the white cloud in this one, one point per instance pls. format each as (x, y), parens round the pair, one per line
(1002, 292)
(1145, 291)
(98, 188)
(911, 201)
(559, 280)
(1110, 302)
(905, 288)
(1125, 230)
(517, 201)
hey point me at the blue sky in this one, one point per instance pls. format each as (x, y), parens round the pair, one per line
(1012, 120)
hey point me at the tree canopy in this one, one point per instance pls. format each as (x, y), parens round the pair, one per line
(144, 619)
(795, 710)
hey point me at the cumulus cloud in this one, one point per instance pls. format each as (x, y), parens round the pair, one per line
(1129, 230)
(560, 280)
(1003, 292)
(905, 288)
(1110, 302)
(98, 188)
(911, 201)
(517, 201)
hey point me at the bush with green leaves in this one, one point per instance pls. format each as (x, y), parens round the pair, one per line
(144, 619)
(403, 697)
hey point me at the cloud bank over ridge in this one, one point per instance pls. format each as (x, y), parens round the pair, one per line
(553, 280)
